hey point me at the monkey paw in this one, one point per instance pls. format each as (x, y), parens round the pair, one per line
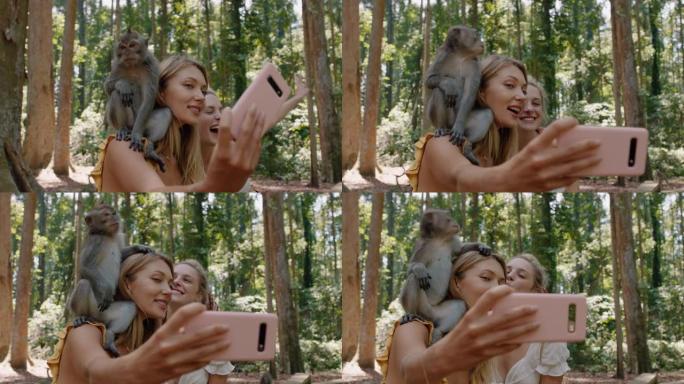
(122, 135)
(457, 138)
(441, 132)
(83, 320)
(424, 282)
(104, 305)
(484, 250)
(151, 155)
(136, 143)
(111, 348)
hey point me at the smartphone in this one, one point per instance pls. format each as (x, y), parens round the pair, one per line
(252, 335)
(623, 150)
(560, 317)
(268, 91)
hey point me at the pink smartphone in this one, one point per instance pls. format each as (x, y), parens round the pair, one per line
(623, 149)
(252, 335)
(268, 92)
(561, 317)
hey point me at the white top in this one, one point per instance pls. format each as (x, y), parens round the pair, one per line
(201, 376)
(551, 360)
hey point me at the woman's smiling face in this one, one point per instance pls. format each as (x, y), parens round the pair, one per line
(150, 288)
(184, 94)
(504, 94)
(531, 116)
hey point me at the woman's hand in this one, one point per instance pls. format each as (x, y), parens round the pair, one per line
(542, 166)
(478, 336)
(235, 158)
(170, 353)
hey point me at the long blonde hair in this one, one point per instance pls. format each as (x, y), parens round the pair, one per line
(181, 140)
(141, 327)
(500, 144)
(484, 372)
(206, 297)
(541, 278)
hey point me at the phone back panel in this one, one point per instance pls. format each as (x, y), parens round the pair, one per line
(262, 93)
(554, 313)
(245, 334)
(618, 146)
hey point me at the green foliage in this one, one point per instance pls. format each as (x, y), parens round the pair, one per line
(394, 136)
(44, 328)
(321, 356)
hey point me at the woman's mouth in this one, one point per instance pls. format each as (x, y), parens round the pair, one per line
(514, 109)
(176, 291)
(162, 303)
(195, 109)
(214, 128)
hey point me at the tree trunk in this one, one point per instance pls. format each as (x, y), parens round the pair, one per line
(288, 335)
(163, 30)
(389, 74)
(425, 62)
(207, 37)
(519, 223)
(351, 306)
(367, 159)
(371, 283)
(19, 348)
(5, 273)
(78, 231)
(14, 174)
(40, 133)
(61, 160)
(171, 227)
(329, 128)
(620, 369)
(268, 272)
(42, 230)
(82, 26)
(636, 335)
(351, 87)
(391, 212)
(311, 116)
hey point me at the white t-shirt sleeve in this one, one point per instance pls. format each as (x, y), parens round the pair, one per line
(554, 359)
(221, 368)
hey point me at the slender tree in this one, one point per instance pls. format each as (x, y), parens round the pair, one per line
(351, 87)
(66, 72)
(5, 273)
(19, 348)
(351, 306)
(371, 285)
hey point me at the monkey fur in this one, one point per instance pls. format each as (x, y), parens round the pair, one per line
(131, 89)
(453, 83)
(99, 268)
(429, 272)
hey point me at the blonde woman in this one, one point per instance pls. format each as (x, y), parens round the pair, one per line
(463, 354)
(190, 285)
(150, 352)
(182, 87)
(539, 166)
(531, 363)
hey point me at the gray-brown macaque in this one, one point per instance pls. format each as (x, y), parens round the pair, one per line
(132, 88)
(426, 288)
(99, 267)
(453, 83)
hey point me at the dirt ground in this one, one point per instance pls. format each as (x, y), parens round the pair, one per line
(79, 180)
(37, 373)
(389, 179)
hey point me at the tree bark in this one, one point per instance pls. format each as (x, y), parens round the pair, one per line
(371, 284)
(425, 62)
(5, 273)
(351, 306)
(351, 87)
(311, 116)
(636, 329)
(14, 174)
(40, 133)
(620, 365)
(329, 127)
(269, 261)
(288, 335)
(66, 72)
(367, 160)
(19, 348)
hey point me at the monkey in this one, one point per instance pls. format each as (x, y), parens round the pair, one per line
(429, 272)
(99, 267)
(131, 89)
(453, 83)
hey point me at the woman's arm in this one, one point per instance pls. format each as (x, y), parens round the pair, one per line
(476, 338)
(231, 163)
(167, 354)
(288, 105)
(540, 166)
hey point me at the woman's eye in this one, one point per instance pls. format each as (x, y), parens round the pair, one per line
(156, 280)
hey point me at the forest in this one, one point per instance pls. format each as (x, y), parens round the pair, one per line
(331, 266)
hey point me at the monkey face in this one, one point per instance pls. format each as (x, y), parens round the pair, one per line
(438, 223)
(466, 40)
(103, 220)
(131, 49)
